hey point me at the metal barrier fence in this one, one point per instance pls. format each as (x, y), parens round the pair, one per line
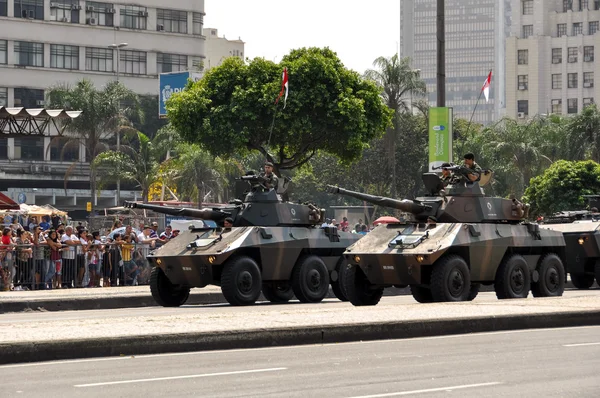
(35, 267)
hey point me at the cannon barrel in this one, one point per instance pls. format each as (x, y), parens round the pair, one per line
(403, 205)
(204, 214)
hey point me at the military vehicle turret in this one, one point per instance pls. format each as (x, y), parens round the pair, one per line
(272, 245)
(457, 239)
(581, 230)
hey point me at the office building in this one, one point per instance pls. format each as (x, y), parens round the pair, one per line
(219, 48)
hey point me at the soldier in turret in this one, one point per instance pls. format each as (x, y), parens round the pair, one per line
(472, 169)
(447, 176)
(271, 180)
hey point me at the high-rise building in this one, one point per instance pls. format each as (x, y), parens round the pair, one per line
(475, 35)
(550, 60)
(48, 42)
(219, 48)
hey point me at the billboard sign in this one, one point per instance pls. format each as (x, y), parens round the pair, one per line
(440, 136)
(171, 83)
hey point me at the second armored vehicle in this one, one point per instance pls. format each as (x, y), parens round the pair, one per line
(273, 246)
(458, 239)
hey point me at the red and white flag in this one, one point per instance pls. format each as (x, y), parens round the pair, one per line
(486, 87)
(284, 88)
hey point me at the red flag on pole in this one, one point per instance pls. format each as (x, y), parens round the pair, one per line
(486, 87)
(284, 88)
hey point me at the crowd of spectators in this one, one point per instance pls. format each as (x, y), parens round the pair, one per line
(344, 225)
(54, 256)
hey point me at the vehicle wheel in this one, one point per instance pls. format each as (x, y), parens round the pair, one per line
(582, 281)
(310, 279)
(474, 291)
(513, 279)
(164, 292)
(358, 289)
(277, 292)
(450, 279)
(338, 286)
(421, 294)
(241, 281)
(552, 277)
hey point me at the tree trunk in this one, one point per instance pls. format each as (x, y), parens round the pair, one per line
(145, 193)
(200, 194)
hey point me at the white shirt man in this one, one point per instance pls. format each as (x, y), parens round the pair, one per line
(70, 240)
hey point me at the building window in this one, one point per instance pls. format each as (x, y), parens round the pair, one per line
(572, 80)
(132, 62)
(584, 4)
(134, 17)
(593, 27)
(171, 21)
(3, 96)
(29, 98)
(572, 105)
(59, 152)
(588, 54)
(171, 62)
(523, 57)
(64, 57)
(587, 101)
(557, 55)
(3, 51)
(572, 55)
(32, 9)
(29, 54)
(527, 7)
(3, 8)
(102, 14)
(197, 22)
(99, 59)
(29, 148)
(198, 64)
(557, 106)
(588, 79)
(527, 31)
(567, 5)
(577, 28)
(65, 11)
(557, 81)
(523, 107)
(523, 82)
(561, 29)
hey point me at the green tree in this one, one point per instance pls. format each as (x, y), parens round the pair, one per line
(150, 124)
(584, 128)
(138, 163)
(399, 83)
(330, 109)
(562, 186)
(101, 119)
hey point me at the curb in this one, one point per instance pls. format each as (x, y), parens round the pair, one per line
(305, 335)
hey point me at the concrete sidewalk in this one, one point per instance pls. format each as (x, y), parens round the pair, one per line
(33, 337)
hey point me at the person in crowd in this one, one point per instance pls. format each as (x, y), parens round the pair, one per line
(145, 244)
(45, 225)
(326, 223)
(228, 223)
(40, 254)
(93, 259)
(344, 225)
(56, 221)
(32, 223)
(81, 256)
(6, 256)
(60, 230)
(271, 180)
(431, 222)
(117, 224)
(71, 241)
(113, 261)
(363, 229)
(129, 231)
(168, 234)
(15, 226)
(129, 266)
(154, 230)
(21, 271)
(55, 267)
(175, 233)
(334, 223)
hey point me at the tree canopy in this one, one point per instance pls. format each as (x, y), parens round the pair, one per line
(329, 108)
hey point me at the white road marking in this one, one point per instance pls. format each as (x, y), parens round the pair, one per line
(397, 394)
(239, 372)
(176, 354)
(580, 345)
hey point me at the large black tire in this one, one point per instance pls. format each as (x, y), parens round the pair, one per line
(513, 279)
(338, 285)
(277, 292)
(310, 279)
(552, 277)
(450, 279)
(474, 291)
(241, 281)
(164, 292)
(358, 289)
(421, 294)
(582, 281)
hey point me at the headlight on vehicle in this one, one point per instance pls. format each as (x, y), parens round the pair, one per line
(420, 258)
(158, 261)
(211, 259)
(356, 259)
(582, 240)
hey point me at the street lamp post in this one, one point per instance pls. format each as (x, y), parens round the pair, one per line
(118, 48)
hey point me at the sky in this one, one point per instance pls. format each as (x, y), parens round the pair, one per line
(359, 31)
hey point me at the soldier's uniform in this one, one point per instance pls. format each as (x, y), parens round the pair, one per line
(271, 180)
(475, 169)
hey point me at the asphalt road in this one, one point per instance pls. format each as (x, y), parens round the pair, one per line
(549, 363)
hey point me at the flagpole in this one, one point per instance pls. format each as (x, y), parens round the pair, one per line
(473, 114)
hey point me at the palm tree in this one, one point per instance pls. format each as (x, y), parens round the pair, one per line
(103, 116)
(137, 163)
(586, 126)
(399, 84)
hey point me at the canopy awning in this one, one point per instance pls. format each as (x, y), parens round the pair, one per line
(34, 121)
(7, 203)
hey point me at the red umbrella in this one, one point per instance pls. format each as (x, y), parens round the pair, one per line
(386, 220)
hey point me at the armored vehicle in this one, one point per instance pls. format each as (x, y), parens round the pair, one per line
(274, 246)
(457, 239)
(581, 230)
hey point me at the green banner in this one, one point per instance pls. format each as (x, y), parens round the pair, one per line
(440, 136)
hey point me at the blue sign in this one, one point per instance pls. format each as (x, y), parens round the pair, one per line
(171, 83)
(22, 198)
